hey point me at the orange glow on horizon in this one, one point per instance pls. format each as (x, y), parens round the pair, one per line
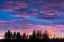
(1, 37)
(50, 32)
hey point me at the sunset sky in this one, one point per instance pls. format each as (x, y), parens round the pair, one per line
(27, 15)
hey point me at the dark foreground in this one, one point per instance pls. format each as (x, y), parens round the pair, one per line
(57, 40)
(36, 36)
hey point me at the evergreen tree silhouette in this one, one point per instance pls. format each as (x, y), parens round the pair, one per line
(6, 35)
(24, 36)
(46, 36)
(34, 35)
(9, 34)
(14, 35)
(39, 34)
(18, 35)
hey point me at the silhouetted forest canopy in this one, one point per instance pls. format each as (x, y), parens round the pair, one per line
(36, 36)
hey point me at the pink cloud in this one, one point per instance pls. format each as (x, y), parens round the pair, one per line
(8, 8)
(10, 2)
(16, 15)
(22, 5)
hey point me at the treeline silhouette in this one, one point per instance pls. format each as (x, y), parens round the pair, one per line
(36, 36)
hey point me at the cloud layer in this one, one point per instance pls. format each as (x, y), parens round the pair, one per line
(26, 15)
